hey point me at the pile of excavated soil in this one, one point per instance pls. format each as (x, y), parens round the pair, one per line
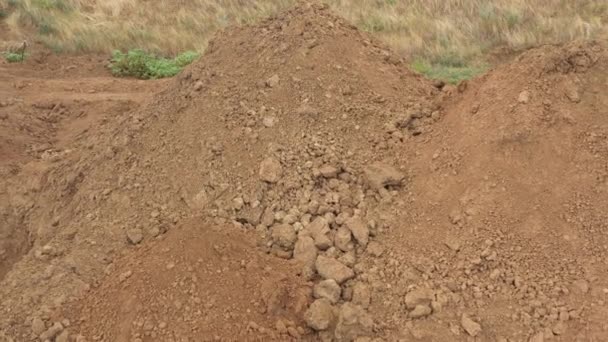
(270, 132)
(299, 183)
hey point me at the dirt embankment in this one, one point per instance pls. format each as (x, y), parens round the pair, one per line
(299, 182)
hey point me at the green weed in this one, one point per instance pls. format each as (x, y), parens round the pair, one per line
(448, 73)
(12, 57)
(140, 64)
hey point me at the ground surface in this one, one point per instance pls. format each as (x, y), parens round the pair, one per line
(300, 183)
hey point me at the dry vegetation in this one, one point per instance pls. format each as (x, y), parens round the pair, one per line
(443, 38)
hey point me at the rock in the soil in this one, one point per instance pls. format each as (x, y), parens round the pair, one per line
(283, 235)
(135, 236)
(362, 295)
(319, 229)
(375, 249)
(305, 250)
(250, 215)
(328, 289)
(349, 258)
(380, 175)
(329, 171)
(273, 81)
(353, 322)
(319, 315)
(270, 170)
(359, 229)
(470, 326)
(63, 337)
(524, 97)
(419, 296)
(51, 332)
(329, 268)
(581, 286)
(420, 311)
(538, 337)
(38, 326)
(342, 239)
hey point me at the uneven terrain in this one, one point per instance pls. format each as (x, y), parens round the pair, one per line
(299, 182)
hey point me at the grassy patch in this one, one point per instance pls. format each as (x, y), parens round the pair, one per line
(12, 57)
(440, 32)
(448, 73)
(140, 64)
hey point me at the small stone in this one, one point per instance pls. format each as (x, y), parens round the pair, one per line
(342, 239)
(283, 235)
(269, 121)
(328, 289)
(198, 85)
(329, 171)
(375, 249)
(379, 176)
(349, 258)
(362, 295)
(581, 286)
(270, 170)
(281, 327)
(273, 81)
(453, 243)
(538, 337)
(559, 328)
(329, 268)
(305, 250)
(52, 332)
(155, 231)
(124, 276)
(238, 203)
(135, 236)
(471, 327)
(293, 332)
(495, 274)
(359, 229)
(420, 311)
(319, 229)
(63, 337)
(524, 97)
(319, 315)
(419, 296)
(353, 323)
(38, 326)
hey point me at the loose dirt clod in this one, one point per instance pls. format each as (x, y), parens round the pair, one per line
(319, 315)
(330, 268)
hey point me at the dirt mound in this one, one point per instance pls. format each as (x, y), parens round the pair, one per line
(272, 130)
(401, 211)
(197, 284)
(506, 219)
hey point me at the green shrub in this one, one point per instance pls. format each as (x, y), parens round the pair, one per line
(447, 72)
(12, 57)
(140, 64)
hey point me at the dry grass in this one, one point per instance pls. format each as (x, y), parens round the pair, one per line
(451, 33)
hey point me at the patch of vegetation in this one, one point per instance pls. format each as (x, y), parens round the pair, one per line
(448, 73)
(60, 5)
(141, 64)
(13, 57)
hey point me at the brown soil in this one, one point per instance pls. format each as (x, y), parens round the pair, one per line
(194, 209)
